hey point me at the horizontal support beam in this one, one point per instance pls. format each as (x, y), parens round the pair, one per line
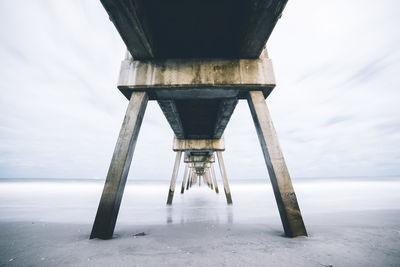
(198, 144)
(226, 108)
(170, 111)
(200, 78)
(189, 158)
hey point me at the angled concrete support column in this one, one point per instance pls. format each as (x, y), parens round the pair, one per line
(184, 179)
(173, 178)
(189, 179)
(282, 185)
(210, 182)
(110, 201)
(214, 178)
(224, 177)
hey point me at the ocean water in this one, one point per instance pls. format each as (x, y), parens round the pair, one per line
(144, 202)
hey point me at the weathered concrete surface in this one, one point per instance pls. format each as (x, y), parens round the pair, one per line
(224, 178)
(279, 175)
(199, 145)
(189, 180)
(110, 201)
(185, 174)
(195, 158)
(197, 78)
(173, 178)
(214, 178)
(207, 178)
(226, 108)
(197, 96)
(197, 59)
(194, 29)
(170, 110)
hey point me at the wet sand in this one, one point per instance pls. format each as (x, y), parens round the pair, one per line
(52, 229)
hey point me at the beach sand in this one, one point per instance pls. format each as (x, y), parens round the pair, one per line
(350, 223)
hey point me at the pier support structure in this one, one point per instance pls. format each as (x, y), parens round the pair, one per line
(278, 173)
(199, 155)
(110, 201)
(197, 97)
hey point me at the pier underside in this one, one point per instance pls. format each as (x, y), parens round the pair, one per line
(194, 28)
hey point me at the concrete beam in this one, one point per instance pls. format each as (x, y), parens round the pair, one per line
(197, 96)
(279, 175)
(198, 145)
(197, 78)
(189, 158)
(226, 108)
(110, 201)
(170, 111)
(132, 24)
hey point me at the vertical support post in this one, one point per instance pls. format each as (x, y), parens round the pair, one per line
(280, 179)
(214, 178)
(224, 177)
(189, 179)
(184, 179)
(107, 212)
(210, 182)
(173, 178)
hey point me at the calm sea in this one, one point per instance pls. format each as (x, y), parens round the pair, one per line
(76, 200)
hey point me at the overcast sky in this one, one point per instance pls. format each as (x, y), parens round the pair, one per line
(336, 107)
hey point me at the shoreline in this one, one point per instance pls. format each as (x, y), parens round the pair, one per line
(368, 238)
(350, 223)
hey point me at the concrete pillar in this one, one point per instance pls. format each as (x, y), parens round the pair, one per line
(173, 178)
(189, 179)
(110, 201)
(210, 182)
(184, 179)
(214, 178)
(282, 185)
(224, 177)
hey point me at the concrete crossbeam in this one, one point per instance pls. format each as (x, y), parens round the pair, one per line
(197, 96)
(199, 145)
(170, 111)
(196, 78)
(188, 158)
